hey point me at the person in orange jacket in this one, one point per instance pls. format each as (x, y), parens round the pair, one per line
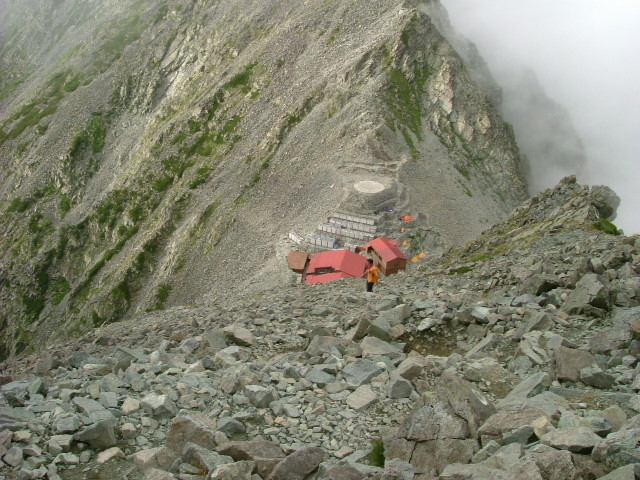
(373, 275)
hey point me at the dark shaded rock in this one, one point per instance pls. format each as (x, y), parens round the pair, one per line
(592, 290)
(99, 435)
(619, 448)
(344, 472)
(576, 439)
(266, 455)
(505, 421)
(194, 428)
(567, 363)
(299, 464)
(202, 458)
(553, 464)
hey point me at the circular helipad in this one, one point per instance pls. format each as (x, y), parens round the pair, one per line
(368, 186)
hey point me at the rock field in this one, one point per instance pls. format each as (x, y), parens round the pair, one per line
(514, 357)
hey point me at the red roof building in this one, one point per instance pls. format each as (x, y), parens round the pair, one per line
(333, 265)
(387, 255)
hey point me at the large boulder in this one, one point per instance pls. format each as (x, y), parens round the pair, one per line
(574, 439)
(504, 422)
(591, 290)
(299, 464)
(507, 463)
(619, 448)
(98, 435)
(265, 455)
(553, 464)
(193, 428)
(567, 363)
(360, 372)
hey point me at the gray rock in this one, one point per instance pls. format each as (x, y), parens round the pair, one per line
(628, 472)
(230, 426)
(239, 335)
(159, 406)
(344, 472)
(362, 398)
(591, 290)
(619, 448)
(487, 451)
(486, 344)
(68, 424)
(569, 361)
(576, 439)
(467, 402)
(193, 428)
(539, 321)
(14, 418)
(399, 387)
(595, 377)
(298, 465)
(553, 464)
(480, 314)
(233, 471)
(318, 376)
(372, 346)
(94, 410)
(396, 315)
(259, 396)
(156, 474)
(14, 456)
(360, 372)
(67, 459)
(215, 339)
(265, 455)
(330, 345)
(411, 367)
(99, 435)
(529, 387)
(202, 458)
(396, 469)
(427, 324)
(60, 443)
(505, 421)
(5, 441)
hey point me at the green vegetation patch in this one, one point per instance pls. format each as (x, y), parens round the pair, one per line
(42, 106)
(112, 207)
(20, 205)
(606, 226)
(91, 139)
(162, 294)
(461, 270)
(242, 80)
(376, 455)
(60, 289)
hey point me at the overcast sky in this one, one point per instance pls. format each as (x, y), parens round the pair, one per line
(586, 54)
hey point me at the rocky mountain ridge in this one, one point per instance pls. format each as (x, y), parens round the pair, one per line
(517, 354)
(164, 160)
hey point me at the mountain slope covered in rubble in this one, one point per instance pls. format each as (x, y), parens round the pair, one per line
(159, 153)
(517, 353)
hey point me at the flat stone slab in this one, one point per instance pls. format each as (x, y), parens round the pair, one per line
(362, 397)
(576, 439)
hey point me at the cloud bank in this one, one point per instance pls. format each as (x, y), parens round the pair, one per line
(586, 56)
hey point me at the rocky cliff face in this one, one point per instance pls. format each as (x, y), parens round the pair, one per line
(158, 153)
(516, 354)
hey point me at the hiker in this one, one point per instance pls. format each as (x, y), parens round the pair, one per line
(373, 275)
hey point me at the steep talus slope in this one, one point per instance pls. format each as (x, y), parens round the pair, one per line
(159, 153)
(516, 352)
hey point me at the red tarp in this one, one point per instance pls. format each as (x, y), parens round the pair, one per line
(325, 278)
(386, 248)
